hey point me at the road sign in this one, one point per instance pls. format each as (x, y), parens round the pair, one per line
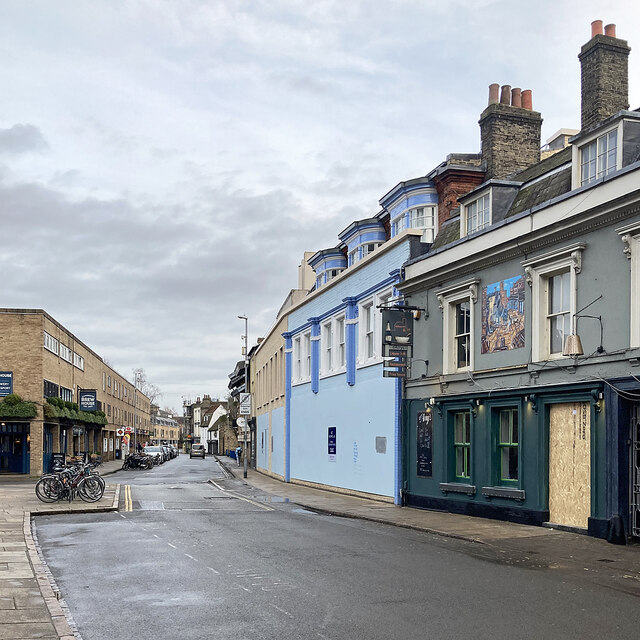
(241, 422)
(394, 373)
(120, 432)
(245, 404)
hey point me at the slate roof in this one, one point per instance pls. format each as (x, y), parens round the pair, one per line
(541, 191)
(449, 232)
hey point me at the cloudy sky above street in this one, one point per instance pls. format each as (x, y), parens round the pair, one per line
(165, 164)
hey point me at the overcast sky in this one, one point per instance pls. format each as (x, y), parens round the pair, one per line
(165, 164)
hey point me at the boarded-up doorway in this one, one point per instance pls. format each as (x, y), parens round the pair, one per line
(570, 464)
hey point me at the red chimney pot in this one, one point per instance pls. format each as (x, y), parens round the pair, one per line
(610, 30)
(494, 90)
(516, 97)
(527, 100)
(596, 28)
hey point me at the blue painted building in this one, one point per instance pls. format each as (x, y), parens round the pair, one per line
(342, 417)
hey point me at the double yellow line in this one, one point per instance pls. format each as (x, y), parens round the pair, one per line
(128, 502)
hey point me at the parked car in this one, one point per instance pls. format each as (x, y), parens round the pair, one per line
(197, 451)
(166, 452)
(174, 450)
(156, 452)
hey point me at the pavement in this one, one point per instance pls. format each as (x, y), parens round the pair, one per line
(31, 607)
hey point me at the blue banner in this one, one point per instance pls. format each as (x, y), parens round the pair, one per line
(6, 383)
(88, 400)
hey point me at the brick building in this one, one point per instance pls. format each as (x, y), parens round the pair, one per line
(47, 366)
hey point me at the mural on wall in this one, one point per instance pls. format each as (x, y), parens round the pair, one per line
(503, 315)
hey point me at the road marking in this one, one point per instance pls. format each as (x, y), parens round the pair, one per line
(128, 503)
(215, 484)
(286, 613)
(253, 502)
(125, 517)
(214, 571)
(188, 556)
(155, 536)
(172, 545)
(244, 588)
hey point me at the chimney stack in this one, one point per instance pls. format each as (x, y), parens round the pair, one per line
(510, 132)
(604, 74)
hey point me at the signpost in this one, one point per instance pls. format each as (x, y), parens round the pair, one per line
(245, 404)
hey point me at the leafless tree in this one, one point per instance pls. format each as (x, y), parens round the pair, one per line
(152, 391)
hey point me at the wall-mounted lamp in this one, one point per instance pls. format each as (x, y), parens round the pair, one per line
(572, 343)
(532, 399)
(432, 401)
(416, 314)
(598, 397)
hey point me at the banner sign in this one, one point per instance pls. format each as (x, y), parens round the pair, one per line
(88, 400)
(424, 444)
(331, 443)
(397, 327)
(6, 383)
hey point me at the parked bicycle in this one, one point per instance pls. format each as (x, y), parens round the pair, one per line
(137, 461)
(69, 481)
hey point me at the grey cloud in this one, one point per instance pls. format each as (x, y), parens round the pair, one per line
(22, 138)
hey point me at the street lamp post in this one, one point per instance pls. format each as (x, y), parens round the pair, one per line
(246, 384)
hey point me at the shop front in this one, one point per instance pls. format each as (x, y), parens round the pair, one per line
(15, 441)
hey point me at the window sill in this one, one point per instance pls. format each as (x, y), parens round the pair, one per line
(330, 374)
(368, 363)
(458, 487)
(503, 492)
(297, 383)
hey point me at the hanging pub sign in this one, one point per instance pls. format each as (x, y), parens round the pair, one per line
(397, 327)
(6, 383)
(88, 400)
(397, 341)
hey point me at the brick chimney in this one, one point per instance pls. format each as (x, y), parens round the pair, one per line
(604, 68)
(509, 131)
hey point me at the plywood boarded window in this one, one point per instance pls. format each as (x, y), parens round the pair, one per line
(570, 464)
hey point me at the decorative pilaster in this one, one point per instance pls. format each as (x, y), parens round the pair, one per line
(315, 354)
(351, 320)
(288, 348)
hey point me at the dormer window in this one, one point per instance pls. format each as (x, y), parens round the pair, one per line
(599, 157)
(369, 248)
(477, 214)
(353, 257)
(424, 218)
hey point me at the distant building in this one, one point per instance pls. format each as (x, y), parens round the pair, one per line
(47, 365)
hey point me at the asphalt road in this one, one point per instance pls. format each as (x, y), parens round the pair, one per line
(194, 559)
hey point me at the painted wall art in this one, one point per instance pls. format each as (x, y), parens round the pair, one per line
(503, 315)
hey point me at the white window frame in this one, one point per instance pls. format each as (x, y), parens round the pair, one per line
(464, 218)
(327, 359)
(630, 236)
(78, 361)
(448, 299)
(340, 336)
(306, 355)
(538, 272)
(428, 230)
(366, 334)
(51, 343)
(66, 353)
(353, 256)
(578, 151)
